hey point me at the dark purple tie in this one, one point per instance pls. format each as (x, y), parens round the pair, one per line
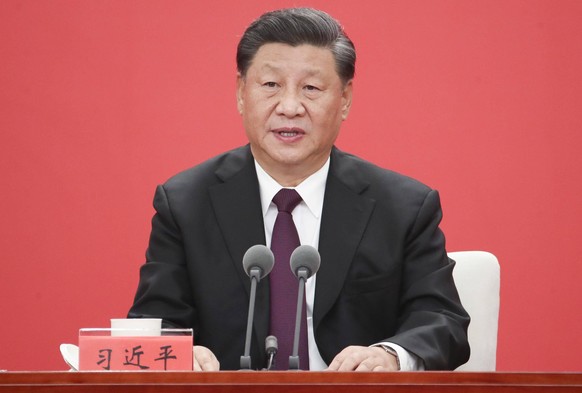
(284, 284)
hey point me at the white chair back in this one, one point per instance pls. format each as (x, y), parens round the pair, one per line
(477, 277)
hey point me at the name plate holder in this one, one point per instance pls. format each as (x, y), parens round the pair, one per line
(107, 350)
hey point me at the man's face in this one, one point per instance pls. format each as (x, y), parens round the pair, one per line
(292, 102)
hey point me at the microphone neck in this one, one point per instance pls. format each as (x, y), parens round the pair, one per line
(303, 273)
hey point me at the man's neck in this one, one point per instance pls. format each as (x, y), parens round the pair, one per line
(290, 175)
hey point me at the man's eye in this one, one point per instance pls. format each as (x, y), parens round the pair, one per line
(311, 88)
(270, 84)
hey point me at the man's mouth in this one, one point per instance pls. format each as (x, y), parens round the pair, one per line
(289, 132)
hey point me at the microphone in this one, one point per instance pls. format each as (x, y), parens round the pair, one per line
(304, 263)
(258, 261)
(271, 347)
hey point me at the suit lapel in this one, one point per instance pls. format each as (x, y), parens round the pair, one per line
(344, 218)
(237, 205)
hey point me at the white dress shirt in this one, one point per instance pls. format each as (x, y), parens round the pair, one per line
(307, 219)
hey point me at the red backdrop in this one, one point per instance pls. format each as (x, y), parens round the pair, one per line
(102, 100)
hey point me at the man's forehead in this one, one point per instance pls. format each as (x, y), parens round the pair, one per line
(281, 47)
(279, 67)
(280, 57)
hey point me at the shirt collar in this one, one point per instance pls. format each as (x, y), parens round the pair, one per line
(312, 189)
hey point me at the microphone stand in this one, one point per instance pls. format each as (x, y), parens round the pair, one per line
(302, 275)
(245, 359)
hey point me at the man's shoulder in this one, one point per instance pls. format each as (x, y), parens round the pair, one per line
(356, 170)
(211, 171)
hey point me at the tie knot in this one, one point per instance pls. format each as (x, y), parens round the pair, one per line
(286, 200)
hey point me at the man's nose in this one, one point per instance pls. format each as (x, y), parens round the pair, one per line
(290, 104)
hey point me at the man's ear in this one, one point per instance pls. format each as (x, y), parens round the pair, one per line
(347, 99)
(240, 84)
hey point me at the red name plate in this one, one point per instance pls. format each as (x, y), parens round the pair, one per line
(155, 353)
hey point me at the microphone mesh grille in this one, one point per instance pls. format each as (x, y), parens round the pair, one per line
(259, 256)
(305, 256)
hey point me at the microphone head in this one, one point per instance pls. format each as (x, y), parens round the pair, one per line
(271, 344)
(259, 256)
(307, 257)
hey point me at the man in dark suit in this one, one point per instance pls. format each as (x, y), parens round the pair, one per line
(383, 298)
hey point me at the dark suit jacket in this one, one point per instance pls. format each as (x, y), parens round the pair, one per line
(384, 273)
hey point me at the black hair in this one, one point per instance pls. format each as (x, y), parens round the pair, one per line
(298, 26)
